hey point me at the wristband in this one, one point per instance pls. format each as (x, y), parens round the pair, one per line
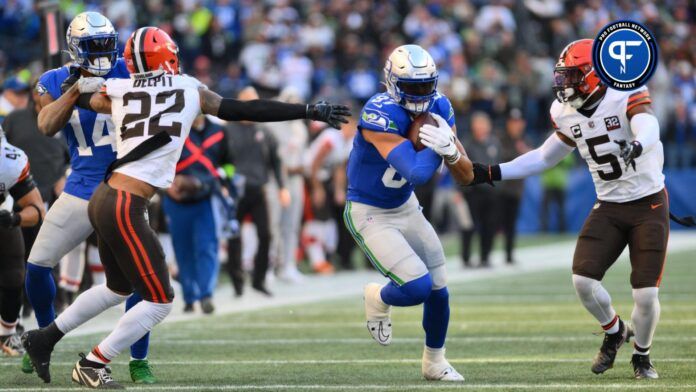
(494, 173)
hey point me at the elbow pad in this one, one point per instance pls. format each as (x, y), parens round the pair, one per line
(646, 130)
(416, 167)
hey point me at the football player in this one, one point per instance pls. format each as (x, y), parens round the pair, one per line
(153, 111)
(382, 212)
(91, 40)
(618, 135)
(17, 182)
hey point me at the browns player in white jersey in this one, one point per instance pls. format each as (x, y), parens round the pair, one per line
(619, 138)
(152, 112)
(15, 181)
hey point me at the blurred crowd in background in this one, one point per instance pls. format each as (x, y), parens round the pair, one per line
(495, 60)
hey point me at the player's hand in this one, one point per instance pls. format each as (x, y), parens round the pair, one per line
(9, 219)
(440, 139)
(71, 79)
(485, 174)
(90, 85)
(629, 152)
(329, 113)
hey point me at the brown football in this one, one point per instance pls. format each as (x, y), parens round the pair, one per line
(418, 122)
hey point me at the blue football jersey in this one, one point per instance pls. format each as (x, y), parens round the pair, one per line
(90, 135)
(371, 180)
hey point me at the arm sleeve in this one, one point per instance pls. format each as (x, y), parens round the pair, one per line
(646, 130)
(536, 161)
(260, 110)
(416, 167)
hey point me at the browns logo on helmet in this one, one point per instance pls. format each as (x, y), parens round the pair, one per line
(574, 78)
(150, 49)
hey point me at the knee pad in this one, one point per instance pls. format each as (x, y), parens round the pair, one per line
(439, 277)
(645, 298)
(584, 286)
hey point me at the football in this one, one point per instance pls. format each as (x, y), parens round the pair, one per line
(418, 122)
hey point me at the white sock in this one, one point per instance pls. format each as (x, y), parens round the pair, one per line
(133, 325)
(646, 313)
(87, 305)
(8, 328)
(95, 265)
(597, 301)
(433, 355)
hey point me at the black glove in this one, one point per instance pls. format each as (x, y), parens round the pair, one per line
(9, 219)
(329, 113)
(71, 79)
(485, 174)
(629, 152)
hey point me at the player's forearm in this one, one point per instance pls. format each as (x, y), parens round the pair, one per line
(53, 117)
(416, 167)
(536, 161)
(462, 171)
(260, 110)
(646, 130)
(32, 209)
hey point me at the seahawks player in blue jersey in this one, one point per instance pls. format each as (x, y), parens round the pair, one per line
(383, 214)
(92, 44)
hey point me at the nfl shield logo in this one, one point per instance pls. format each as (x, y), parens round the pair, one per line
(591, 124)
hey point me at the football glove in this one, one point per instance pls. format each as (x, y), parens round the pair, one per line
(629, 152)
(90, 85)
(485, 174)
(72, 78)
(440, 139)
(329, 113)
(9, 219)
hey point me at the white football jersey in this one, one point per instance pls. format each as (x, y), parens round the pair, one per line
(595, 137)
(339, 149)
(14, 167)
(144, 107)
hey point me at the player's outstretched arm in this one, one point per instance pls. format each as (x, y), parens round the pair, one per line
(54, 114)
(443, 140)
(554, 149)
(263, 110)
(416, 167)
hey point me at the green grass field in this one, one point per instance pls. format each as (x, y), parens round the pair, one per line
(526, 332)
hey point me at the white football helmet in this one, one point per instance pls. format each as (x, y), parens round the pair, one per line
(92, 43)
(411, 78)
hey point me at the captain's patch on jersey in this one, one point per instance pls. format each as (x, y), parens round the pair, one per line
(575, 129)
(624, 55)
(376, 118)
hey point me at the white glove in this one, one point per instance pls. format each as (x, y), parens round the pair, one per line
(440, 139)
(90, 85)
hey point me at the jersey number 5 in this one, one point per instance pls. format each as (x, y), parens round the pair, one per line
(153, 125)
(604, 159)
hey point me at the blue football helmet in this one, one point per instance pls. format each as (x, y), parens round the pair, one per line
(411, 78)
(92, 43)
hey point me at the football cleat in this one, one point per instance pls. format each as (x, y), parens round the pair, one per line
(93, 377)
(26, 364)
(604, 360)
(207, 305)
(11, 345)
(377, 314)
(440, 371)
(39, 351)
(141, 372)
(642, 367)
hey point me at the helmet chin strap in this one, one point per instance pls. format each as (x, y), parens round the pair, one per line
(578, 103)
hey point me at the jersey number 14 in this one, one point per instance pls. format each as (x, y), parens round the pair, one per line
(98, 136)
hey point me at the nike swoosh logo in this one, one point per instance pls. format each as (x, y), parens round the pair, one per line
(92, 383)
(381, 335)
(653, 206)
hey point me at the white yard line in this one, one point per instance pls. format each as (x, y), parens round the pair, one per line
(350, 284)
(383, 387)
(258, 362)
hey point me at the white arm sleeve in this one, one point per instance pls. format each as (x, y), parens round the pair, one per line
(646, 130)
(536, 161)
